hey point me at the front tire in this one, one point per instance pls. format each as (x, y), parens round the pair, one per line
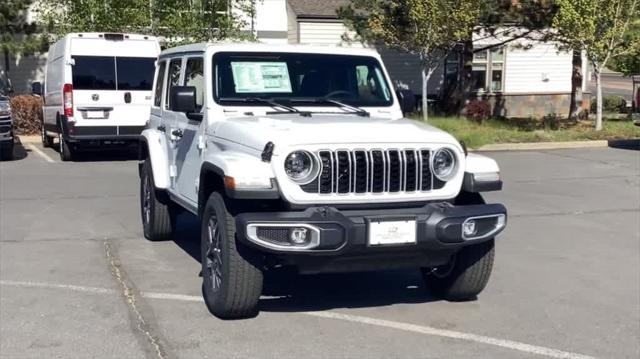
(6, 153)
(232, 282)
(465, 276)
(155, 208)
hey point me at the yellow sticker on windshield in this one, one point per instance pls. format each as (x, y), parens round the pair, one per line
(261, 77)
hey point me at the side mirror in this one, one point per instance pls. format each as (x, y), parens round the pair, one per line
(183, 99)
(36, 88)
(407, 101)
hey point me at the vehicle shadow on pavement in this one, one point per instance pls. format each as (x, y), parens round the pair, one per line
(108, 154)
(19, 152)
(285, 290)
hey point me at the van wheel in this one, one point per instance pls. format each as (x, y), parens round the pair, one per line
(66, 151)
(465, 276)
(47, 141)
(156, 209)
(231, 279)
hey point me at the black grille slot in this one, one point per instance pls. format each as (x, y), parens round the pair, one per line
(378, 171)
(411, 171)
(344, 171)
(360, 167)
(426, 170)
(279, 235)
(395, 171)
(327, 170)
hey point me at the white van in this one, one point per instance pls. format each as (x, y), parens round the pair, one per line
(97, 90)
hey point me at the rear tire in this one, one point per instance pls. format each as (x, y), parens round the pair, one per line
(465, 276)
(47, 141)
(156, 209)
(232, 281)
(66, 151)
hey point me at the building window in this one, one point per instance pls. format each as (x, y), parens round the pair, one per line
(488, 70)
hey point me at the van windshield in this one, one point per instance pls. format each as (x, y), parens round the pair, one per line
(300, 79)
(113, 73)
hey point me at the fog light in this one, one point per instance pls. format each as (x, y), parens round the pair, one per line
(298, 236)
(469, 228)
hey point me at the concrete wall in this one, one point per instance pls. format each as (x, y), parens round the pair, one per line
(532, 105)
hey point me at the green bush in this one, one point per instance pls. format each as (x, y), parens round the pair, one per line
(26, 111)
(610, 103)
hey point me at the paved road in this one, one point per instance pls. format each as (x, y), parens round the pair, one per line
(77, 279)
(613, 84)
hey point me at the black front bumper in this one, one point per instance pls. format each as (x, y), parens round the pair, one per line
(343, 243)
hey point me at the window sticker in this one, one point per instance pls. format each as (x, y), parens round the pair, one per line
(257, 77)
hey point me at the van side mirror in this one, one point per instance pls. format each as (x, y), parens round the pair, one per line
(407, 101)
(36, 89)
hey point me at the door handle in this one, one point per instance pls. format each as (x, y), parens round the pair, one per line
(177, 133)
(162, 128)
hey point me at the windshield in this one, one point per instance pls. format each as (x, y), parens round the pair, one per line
(113, 73)
(294, 77)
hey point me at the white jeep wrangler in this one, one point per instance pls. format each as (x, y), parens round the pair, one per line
(300, 156)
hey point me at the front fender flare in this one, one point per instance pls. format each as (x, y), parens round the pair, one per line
(156, 147)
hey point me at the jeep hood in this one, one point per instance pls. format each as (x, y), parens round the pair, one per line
(286, 130)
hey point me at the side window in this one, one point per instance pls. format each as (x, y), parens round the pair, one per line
(194, 76)
(157, 91)
(173, 79)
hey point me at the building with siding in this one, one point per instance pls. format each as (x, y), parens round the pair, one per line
(519, 80)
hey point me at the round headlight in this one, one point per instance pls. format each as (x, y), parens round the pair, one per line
(301, 167)
(444, 164)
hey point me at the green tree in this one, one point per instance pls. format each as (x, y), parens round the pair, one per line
(429, 29)
(176, 21)
(17, 34)
(629, 63)
(597, 27)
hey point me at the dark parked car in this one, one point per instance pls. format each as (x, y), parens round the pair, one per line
(6, 129)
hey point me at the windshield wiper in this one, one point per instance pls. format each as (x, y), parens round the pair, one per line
(355, 110)
(272, 103)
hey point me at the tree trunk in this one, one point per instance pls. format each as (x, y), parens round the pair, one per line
(575, 106)
(597, 73)
(425, 103)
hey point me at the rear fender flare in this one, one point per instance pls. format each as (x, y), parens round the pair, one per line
(155, 144)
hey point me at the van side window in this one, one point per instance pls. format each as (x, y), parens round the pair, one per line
(194, 76)
(173, 79)
(157, 92)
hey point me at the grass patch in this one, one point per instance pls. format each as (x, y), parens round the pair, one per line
(475, 135)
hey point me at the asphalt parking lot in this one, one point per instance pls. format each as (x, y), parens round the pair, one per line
(77, 279)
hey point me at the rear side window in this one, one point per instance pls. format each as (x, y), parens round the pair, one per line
(173, 79)
(135, 73)
(94, 73)
(194, 76)
(157, 92)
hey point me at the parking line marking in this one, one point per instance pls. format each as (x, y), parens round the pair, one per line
(40, 153)
(509, 344)
(414, 328)
(76, 288)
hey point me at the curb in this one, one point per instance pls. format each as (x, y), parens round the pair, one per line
(532, 146)
(29, 139)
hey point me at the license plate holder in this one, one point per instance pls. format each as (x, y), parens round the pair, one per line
(95, 114)
(382, 232)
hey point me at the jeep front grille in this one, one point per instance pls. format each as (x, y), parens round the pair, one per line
(374, 171)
